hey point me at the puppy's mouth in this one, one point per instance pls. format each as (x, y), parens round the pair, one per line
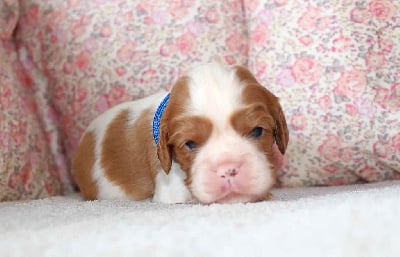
(230, 194)
(236, 198)
(233, 197)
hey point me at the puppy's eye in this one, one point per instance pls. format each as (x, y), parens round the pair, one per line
(257, 132)
(190, 145)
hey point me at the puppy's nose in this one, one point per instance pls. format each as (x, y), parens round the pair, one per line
(228, 170)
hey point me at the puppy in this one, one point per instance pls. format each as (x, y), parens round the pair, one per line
(209, 140)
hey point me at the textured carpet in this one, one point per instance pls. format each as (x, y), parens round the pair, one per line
(357, 220)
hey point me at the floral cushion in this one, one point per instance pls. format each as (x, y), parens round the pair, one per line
(27, 169)
(8, 18)
(95, 54)
(334, 64)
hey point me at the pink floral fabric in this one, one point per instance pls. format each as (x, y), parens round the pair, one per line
(95, 54)
(26, 165)
(335, 66)
(9, 11)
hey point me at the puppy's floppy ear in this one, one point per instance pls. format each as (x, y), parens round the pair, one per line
(178, 96)
(281, 132)
(256, 92)
(164, 151)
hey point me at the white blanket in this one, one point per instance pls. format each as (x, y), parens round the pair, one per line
(357, 220)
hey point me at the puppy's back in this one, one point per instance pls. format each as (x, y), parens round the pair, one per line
(116, 157)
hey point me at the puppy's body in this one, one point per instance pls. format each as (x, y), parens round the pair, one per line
(215, 143)
(124, 163)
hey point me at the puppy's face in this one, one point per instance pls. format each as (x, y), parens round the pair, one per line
(220, 126)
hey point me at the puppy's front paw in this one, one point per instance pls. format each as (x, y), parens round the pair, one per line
(171, 188)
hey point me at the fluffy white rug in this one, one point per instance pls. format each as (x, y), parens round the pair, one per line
(357, 220)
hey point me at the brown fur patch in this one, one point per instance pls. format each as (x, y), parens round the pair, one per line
(177, 128)
(82, 166)
(188, 128)
(179, 98)
(245, 75)
(254, 93)
(129, 156)
(250, 117)
(263, 110)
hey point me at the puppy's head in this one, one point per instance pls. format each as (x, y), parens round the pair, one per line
(220, 126)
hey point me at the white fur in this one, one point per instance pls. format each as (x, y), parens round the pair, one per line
(215, 92)
(171, 188)
(224, 146)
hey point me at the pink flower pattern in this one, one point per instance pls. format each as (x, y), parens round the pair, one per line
(26, 163)
(334, 66)
(382, 10)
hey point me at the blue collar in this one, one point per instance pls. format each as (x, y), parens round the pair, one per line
(157, 118)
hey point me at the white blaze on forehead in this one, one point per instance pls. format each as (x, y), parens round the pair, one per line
(215, 92)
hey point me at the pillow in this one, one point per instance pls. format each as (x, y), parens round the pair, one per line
(335, 67)
(8, 18)
(96, 54)
(26, 166)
